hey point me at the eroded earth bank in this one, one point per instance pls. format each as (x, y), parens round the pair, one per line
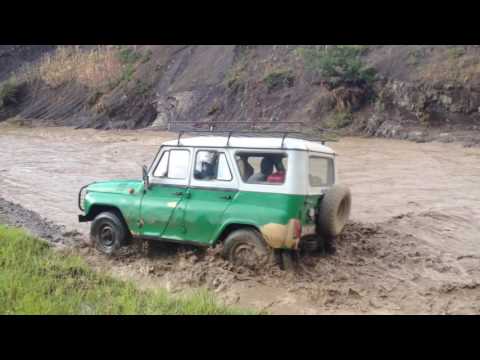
(413, 245)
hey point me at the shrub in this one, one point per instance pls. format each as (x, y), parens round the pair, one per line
(236, 75)
(128, 56)
(340, 120)
(278, 79)
(338, 64)
(9, 91)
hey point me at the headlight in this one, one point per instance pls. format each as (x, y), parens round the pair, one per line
(81, 197)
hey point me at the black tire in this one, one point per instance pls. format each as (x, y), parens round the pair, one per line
(334, 211)
(246, 247)
(311, 243)
(109, 233)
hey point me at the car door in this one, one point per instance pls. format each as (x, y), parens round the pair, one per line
(168, 185)
(210, 194)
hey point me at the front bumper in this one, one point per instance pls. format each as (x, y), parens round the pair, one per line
(82, 218)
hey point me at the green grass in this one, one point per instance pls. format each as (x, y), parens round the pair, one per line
(35, 279)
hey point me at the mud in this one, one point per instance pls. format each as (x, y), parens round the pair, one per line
(411, 248)
(16, 215)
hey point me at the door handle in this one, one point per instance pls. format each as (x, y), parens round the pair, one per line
(227, 197)
(178, 193)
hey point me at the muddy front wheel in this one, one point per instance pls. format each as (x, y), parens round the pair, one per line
(247, 248)
(108, 233)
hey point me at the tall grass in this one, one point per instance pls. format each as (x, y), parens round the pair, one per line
(95, 68)
(34, 279)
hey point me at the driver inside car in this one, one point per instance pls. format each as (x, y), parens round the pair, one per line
(206, 164)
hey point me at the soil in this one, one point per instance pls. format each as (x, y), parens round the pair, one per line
(411, 246)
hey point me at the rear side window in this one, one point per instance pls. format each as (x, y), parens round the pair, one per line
(212, 165)
(173, 165)
(321, 171)
(262, 168)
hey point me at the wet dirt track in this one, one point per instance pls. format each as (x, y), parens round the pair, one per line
(413, 245)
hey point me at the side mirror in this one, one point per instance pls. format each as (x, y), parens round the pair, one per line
(145, 177)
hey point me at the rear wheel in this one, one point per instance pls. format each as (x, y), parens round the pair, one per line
(246, 247)
(108, 233)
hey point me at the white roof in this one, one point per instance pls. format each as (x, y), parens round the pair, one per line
(253, 143)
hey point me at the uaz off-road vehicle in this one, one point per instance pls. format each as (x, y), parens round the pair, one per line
(253, 194)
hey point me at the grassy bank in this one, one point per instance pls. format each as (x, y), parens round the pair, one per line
(34, 279)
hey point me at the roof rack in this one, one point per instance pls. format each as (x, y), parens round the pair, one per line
(213, 129)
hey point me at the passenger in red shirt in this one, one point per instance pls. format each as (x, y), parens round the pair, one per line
(278, 176)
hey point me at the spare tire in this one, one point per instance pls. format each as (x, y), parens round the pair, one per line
(334, 211)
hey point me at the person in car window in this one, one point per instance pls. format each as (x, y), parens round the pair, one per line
(266, 169)
(206, 165)
(279, 175)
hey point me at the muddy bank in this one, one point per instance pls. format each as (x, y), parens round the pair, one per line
(412, 246)
(16, 215)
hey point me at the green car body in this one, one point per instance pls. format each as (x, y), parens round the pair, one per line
(182, 208)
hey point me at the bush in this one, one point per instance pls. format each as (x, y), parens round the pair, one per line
(9, 92)
(128, 56)
(340, 119)
(279, 79)
(339, 64)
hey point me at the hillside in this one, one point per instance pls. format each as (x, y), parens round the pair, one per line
(410, 92)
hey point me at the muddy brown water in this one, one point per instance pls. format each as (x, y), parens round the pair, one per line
(413, 246)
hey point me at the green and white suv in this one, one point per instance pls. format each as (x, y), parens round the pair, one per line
(256, 195)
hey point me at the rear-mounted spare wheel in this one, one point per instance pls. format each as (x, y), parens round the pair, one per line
(334, 211)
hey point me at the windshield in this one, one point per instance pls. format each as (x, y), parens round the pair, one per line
(321, 171)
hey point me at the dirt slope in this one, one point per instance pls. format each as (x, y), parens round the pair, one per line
(419, 93)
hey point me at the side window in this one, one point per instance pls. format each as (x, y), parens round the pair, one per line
(321, 171)
(212, 165)
(173, 165)
(178, 164)
(262, 168)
